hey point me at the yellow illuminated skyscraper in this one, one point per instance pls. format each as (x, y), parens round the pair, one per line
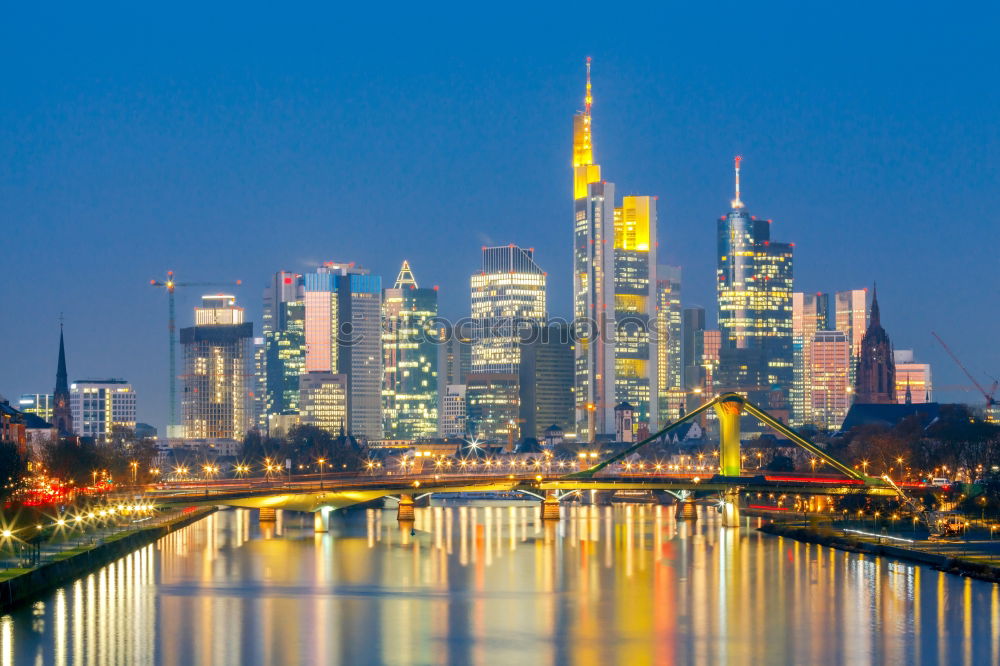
(614, 292)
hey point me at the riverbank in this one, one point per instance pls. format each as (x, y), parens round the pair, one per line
(960, 566)
(67, 567)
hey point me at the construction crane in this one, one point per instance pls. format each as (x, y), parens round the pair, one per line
(170, 284)
(990, 400)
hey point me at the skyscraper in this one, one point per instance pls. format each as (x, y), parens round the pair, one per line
(454, 364)
(670, 372)
(62, 413)
(410, 392)
(508, 297)
(808, 316)
(755, 304)
(508, 294)
(875, 378)
(343, 332)
(545, 380)
(692, 324)
(614, 291)
(851, 318)
(828, 377)
(101, 405)
(284, 349)
(217, 371)
(635, 307)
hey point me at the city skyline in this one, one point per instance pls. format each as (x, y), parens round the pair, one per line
(813, 190)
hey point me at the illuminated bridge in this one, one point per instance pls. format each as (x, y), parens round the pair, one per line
(322, 496)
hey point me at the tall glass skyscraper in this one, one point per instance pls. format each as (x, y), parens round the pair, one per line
(755, 305)
(284, 346)
(409, 391)
(614, 291)
(851, 319)
(507, 294)
(508, 297)
(343, 330)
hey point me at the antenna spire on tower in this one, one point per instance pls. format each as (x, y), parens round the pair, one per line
(736, 202)
(588, 99)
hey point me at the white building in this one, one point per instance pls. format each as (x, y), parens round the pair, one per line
(912, 378)
(98, 405)
(453, 414)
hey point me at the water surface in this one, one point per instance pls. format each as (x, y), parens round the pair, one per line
(483, 583)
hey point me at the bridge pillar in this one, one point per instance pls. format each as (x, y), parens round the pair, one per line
(729, 408)
(731, 508)
(405, 508)
(267, 515)
(686, 510)
(550, 506)
(321, 520)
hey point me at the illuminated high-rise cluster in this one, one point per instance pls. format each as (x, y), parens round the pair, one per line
(614, 291)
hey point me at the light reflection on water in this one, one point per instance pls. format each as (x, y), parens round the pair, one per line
(492, 584)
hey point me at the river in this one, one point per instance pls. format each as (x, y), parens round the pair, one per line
(488, 583)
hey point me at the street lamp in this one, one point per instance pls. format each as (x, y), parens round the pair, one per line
(321, 461)
(135, 466)
(209, 471)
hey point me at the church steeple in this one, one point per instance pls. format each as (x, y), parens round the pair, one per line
(62, 415)
(875, 379)
(874, 317)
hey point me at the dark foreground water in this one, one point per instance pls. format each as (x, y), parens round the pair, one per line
(490, 584)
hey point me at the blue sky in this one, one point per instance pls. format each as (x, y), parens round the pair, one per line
(234, 140)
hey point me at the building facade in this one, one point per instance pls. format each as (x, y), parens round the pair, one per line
(508, 295)
(808, 317)
(323, 401)
(101, 405)
(218, 371)
(754, 284)
(343, 332)
(453, 412)
(545, 379)
(493, 404)
(670, 372)
(39, 404)
(913, 380)
(614, 291)
(635, 299)
(851, 319)
(410, 352)
(284, 348)
(829, 382)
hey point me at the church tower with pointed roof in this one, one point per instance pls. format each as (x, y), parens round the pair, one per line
(876, 372)
(62, 414)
